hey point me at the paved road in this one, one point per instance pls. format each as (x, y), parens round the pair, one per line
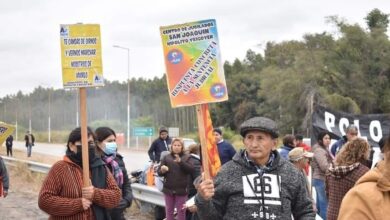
(134, 159)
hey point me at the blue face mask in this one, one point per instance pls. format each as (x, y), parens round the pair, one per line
(110, 148)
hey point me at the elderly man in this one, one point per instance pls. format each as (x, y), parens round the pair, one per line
(257, 183)
(300, 158)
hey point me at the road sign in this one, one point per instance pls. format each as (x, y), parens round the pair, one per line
(143, 131)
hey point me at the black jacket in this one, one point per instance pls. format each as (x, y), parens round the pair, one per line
(127, 194)
(9, 141)
(196, 163)
(157, 147)
(32, 140)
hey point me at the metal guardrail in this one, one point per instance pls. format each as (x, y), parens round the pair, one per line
(148, 194)
(33, 166)
(141, 192)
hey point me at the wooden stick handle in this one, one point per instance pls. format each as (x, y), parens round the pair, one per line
(203, 141)
(84, 136)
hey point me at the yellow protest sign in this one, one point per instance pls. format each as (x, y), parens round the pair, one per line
(5, 131)
(81, 55)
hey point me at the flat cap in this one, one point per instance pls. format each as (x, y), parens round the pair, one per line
(259, 124)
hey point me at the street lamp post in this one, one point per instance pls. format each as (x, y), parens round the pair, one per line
(128, 92)
(49, 121)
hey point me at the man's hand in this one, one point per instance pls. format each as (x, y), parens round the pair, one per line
(5, 193)
(206, 189)
(87, 192)
(86, 203)
(164, 169)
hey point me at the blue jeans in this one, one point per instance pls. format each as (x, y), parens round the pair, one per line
(29, 146)
(322, 202)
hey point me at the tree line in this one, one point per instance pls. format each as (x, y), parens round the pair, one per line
(347, 71)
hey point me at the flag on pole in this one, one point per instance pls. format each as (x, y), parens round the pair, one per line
(5, 131)
(212, 150)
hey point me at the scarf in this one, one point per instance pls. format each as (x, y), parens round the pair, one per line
(260, 169)
(115, 169)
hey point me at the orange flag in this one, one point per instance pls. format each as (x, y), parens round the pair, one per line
(212, 150)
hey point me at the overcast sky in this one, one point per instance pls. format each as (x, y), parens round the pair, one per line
(30, 41)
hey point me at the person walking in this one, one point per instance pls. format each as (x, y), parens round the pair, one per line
(4, 179)
(176, 168)
(225, 150)
(320, 164)
(108, 150)
(342, 176)
(30, 140)
(159, 145)
(258, 183)
(63, 195)
(369, 199)
(8, 143)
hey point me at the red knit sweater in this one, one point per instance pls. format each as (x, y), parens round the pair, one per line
(60, 195)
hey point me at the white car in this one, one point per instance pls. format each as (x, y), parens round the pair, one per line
(187, 142)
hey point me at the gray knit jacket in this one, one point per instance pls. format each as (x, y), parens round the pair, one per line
(240, 192)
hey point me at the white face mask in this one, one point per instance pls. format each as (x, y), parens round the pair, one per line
(110, 148)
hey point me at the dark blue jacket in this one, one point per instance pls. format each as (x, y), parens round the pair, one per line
(157, 147)
(226, 151)
(284, 150)
(337, 145)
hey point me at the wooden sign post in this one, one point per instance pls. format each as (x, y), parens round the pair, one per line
(82, 67)
(203, 141)
(84, 135)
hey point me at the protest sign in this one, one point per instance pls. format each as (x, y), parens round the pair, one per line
(193, 63)
(81, 55)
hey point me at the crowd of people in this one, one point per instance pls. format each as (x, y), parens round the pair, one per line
(260, 181)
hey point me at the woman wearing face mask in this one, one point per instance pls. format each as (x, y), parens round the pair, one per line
(176, 168)
(63, 196)
(107, 148)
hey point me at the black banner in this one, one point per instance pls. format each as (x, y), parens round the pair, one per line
(371, 126)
